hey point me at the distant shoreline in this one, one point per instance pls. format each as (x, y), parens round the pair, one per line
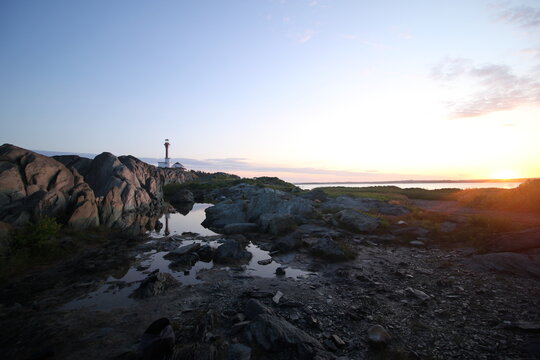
(417, 181)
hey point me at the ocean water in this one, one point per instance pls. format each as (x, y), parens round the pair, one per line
(427, 186)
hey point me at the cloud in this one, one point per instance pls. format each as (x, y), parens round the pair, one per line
(305, 36)
(524, 16)
(498, 88)
(533, 52)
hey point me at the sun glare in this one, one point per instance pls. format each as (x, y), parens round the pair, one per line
(505, 175)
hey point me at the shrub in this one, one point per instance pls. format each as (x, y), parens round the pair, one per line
(36, 237)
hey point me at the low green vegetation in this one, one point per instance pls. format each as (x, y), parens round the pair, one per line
(525, 198)
(46, 242)
(386, 193)
(218, 182)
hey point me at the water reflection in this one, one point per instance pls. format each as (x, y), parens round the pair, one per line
(177, 223)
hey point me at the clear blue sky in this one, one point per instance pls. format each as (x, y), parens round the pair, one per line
(306, 90)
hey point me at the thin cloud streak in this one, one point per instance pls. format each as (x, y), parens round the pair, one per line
(524, 16)
(499, 88)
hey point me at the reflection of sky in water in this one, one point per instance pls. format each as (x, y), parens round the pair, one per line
(115, 292)
(191, 222)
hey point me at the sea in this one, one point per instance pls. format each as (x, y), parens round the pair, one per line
(422, 185)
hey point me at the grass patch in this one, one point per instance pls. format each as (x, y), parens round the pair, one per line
(388, 193)
(207, 185)
(524, 198)
(45, 243)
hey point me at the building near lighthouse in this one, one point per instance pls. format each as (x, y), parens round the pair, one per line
(167, 162)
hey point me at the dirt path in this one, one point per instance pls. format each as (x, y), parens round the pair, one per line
(454, 208)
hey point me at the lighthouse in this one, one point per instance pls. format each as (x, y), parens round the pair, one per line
(167, 162)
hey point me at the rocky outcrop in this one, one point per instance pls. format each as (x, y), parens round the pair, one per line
(356, 221)
(366, 205)
(275, 212)
(80, 192)
(33, 185)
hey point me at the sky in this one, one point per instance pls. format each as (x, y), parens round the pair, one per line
(314, 90)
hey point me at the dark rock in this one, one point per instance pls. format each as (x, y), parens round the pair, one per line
(517, 241)
(278, 335)
(206, 253)
(239, 228)
(157, 341)
(280, 271)
(155, 284)
(231, 252)
(222, 214)
(255, 307)
(362, 204)
(378, 336)
(265, 262)
(276, 224)
(527, 264)
(239, 352)
(186, 249)
(328, 249)
(355, 221)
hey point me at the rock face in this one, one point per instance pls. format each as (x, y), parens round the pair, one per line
(355, 221)
(361, 204)
(274, 211)
(78, 191)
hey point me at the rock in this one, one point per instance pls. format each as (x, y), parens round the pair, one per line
(182, 196)
(265, 262)
(516, 241)
(255, 307)
(280, 271)
(219, 215)
(362, 204)
(328, 249)
(206, 253)
(355, 221)
(416, 243)
(278, 335)
(527, 264)
(155, 284)
(231, 252)
(186, 249)
(239, 352)
(378, 336)
(417, 293)
(276, 224)
(158, 340)
(338, 341)
(277, 297)
(240, 228)
(289, 242)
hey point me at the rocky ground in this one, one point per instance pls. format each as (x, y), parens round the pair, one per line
(379, 281)
(428, 303)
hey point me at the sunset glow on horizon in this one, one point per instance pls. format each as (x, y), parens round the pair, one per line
(320, 91)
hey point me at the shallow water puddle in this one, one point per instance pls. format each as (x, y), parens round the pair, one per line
(115, 291)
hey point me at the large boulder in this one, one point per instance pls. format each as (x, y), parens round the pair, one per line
(231, 252)
(355, 221)
(515, 241)
(225, 213)
(32, 185)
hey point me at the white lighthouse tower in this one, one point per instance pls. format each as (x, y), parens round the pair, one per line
(167, 162)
